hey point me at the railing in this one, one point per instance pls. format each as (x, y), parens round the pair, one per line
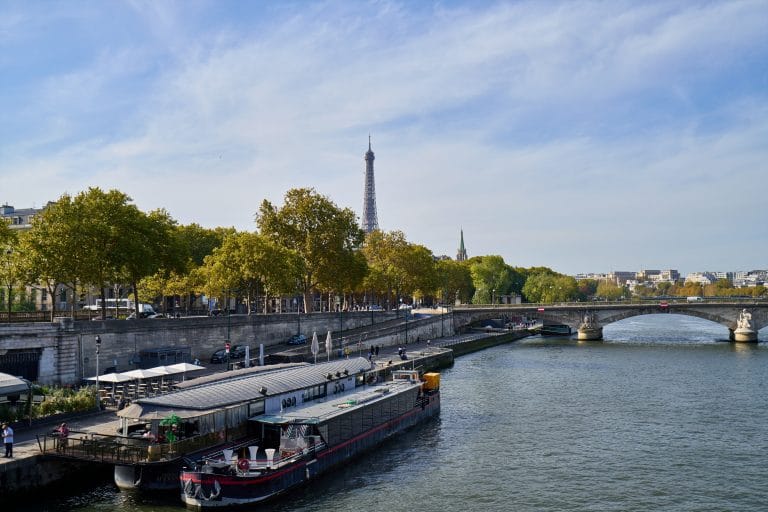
(118, 449)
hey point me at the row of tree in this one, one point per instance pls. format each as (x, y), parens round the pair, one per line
(307, 246)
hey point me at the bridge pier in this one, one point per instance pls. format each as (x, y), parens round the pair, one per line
(590, 329)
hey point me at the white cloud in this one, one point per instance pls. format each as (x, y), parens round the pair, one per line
(535, 126)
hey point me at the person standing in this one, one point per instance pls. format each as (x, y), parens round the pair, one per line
(8, 440)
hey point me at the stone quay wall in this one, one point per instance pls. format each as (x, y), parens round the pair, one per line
(68, 348)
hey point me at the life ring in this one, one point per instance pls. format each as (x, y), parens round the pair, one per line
(243, 464)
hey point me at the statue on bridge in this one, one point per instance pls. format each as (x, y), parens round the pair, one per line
(589, 321)
(745, 320)
(590, 328)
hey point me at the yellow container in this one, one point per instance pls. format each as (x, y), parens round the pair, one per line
(431, 381)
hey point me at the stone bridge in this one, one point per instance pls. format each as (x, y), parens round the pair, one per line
(742, 318)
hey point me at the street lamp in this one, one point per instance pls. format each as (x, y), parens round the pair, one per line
(8, 253)
(98, 348)
(493, 296)
(298, 315)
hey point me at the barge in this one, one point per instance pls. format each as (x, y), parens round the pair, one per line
(299, 444)
(158, 435)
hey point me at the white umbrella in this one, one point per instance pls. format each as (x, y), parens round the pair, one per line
(186, 367)
(165, 370)
(141, 374)
(113, 377)
(328, 344)
(315, 345)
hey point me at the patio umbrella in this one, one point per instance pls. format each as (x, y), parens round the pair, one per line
(113, 377)
(165, 370)
(186, 367)
(315, 345)
(328, 344)
(141, 373)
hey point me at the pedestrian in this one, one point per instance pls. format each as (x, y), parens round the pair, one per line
(377, 350)
(63, 432)
(8, 440)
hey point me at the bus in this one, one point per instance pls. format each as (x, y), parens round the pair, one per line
(121, 305)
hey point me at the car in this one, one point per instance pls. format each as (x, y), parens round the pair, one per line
(297, 339)
(236, 352)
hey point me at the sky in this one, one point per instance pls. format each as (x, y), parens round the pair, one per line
(583, 136)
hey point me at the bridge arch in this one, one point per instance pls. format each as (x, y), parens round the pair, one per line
(577, 315)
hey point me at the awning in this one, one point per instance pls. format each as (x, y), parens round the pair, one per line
(283, 420)
(10, 385)
(146, 412)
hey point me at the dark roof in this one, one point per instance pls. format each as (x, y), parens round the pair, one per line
(233, 391)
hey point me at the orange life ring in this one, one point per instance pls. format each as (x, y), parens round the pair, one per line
(243, 464)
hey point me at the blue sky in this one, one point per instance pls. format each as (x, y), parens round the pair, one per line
(584, 136)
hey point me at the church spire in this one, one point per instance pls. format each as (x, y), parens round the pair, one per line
(461, 255)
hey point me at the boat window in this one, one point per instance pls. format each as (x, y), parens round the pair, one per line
(255, 408)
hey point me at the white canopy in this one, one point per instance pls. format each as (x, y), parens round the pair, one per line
(166, 370)
(141, 374)
(111, 377)
(186, 367)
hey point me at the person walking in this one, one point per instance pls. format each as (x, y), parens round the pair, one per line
(8, 440)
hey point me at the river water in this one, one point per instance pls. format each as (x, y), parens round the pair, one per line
(662, 415)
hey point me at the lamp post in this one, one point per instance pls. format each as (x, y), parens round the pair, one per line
(98, 349)
(8, 253)
(298, 315)
(493, 296)
(405, 315)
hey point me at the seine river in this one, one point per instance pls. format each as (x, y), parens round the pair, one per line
(663, 415)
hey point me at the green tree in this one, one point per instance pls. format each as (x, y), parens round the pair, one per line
(55, 248)
(247, 261)
(609, 290)
(454, 281)
(491, 278)
(550, 287)
(321, 233)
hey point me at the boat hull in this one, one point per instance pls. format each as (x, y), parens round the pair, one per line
(227, 489)
(154, 477)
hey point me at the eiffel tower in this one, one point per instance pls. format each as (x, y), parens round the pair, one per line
(370, 222)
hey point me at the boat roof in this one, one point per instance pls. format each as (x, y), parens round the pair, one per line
(249, 387)
(323, 410)
(234, 374)
(10, 385)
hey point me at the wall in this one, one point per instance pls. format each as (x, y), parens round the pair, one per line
(68, 347)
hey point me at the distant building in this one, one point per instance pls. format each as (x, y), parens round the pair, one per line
(20, 219)
(461, 254)
(703, 278)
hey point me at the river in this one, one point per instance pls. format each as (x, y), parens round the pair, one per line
(662, 415)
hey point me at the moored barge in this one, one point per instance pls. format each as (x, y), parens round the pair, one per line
(300, 444)
(158, 434)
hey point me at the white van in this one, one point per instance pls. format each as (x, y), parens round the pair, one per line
(695, 299)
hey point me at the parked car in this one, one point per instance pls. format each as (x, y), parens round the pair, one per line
(297, 339)
(236, 352)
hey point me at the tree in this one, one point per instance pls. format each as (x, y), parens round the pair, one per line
(319, 232)
(550, 287)
(247, 261)
(491, 278)
(454, 281)
(609, 290)
(151, 245)
(55, 249)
